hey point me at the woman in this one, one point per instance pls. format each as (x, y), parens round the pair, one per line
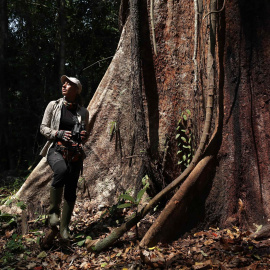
(64, 124)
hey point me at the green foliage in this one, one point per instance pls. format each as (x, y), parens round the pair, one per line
(21, 205)
(17, 184)
(7, 191)
(145, 181)
(185, 139)
(40, 218)
(14, 245)
(80, 239)
(7, 218)
(113, 129)
(127, 197)
(9, 199)
(125, 205)
(134, 202)
(38, 234)
(7, 258)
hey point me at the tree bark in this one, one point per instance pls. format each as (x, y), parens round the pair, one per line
(142, 148)
(136, 84)
(244, 154)
(123, 13)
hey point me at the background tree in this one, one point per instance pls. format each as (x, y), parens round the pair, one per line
(42, 39)
(62, 37)
(5, 145)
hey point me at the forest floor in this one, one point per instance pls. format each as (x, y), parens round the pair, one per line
(209, 249)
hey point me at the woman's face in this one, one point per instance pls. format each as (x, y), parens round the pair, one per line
(69, 90)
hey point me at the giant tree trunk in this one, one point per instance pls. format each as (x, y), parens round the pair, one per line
(240, 170)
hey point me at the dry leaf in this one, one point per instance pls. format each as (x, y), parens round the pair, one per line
(42, 254)
(208, 242)
(8, 234)
(202, 265)
(127, 250)
(31, 265)
(85, 265)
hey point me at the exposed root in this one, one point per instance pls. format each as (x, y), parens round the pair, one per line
(262, 233)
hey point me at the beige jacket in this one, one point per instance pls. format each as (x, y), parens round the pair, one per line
(51, 121)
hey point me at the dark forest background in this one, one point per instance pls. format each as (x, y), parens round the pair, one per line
(42, 41)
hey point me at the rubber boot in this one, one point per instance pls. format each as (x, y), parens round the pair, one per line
(65, 219)
(55, 201)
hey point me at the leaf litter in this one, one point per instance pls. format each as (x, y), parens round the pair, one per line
(214, 248)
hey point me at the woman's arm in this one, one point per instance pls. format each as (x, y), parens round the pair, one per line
(45, 127)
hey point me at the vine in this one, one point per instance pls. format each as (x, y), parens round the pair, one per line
(153, 25)
(185, 139)
(196, 25)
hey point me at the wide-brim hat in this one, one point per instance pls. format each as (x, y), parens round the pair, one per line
(72, 79)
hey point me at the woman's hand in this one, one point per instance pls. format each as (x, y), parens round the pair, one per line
(64, 135)
(83, 135)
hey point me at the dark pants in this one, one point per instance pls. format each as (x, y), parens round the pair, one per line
(65, 174)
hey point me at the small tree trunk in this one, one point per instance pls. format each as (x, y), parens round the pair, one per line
(5, 150)
(62, 35)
